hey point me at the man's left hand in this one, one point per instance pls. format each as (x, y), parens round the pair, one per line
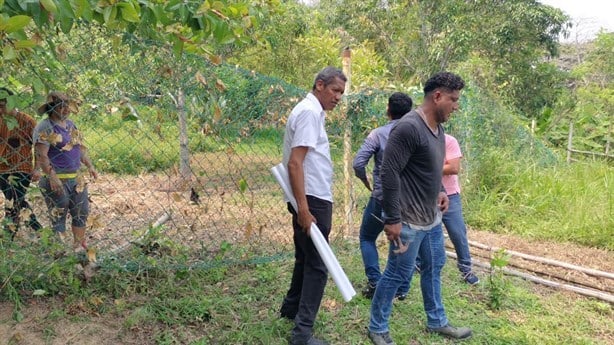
(443, 202)
(392, 231)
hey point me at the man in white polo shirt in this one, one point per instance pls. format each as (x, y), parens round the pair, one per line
(307, 159)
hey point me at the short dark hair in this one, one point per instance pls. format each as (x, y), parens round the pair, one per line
(328, 75)
(4, 92)
(444, 80)
(399, 104)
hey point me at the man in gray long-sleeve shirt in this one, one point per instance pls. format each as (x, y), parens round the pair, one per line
(399, 104)
(413, 202)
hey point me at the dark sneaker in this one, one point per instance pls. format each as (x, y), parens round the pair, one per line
(401, 296)
(34, 224)
(417, 269)
(452, 332)
(369, 290)
(381, 338)
(471, 278)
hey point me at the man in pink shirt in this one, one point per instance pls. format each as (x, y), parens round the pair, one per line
(453, 218)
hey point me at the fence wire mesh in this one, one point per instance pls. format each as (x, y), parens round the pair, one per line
(184, 147)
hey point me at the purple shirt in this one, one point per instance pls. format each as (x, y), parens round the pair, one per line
(63, 160)
(373, 146)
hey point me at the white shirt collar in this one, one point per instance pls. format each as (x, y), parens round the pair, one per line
(314, 99)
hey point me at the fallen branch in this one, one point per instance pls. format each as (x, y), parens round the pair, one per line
(163, 219)
(160, 221)
(587, 292)
(540, 259)
(545, 272)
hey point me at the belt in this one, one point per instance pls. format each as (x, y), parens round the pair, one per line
(65, 176)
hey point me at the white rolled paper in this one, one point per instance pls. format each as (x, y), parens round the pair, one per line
(326, 253)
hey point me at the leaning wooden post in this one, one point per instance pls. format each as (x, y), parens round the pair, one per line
(347, 143)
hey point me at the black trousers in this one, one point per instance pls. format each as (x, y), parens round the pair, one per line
(310, 275)
(14, 187)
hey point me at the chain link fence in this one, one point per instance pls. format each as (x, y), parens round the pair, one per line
(184, 147)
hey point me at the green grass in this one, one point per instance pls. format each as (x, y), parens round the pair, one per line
(563, 203)
(239, 304)
(130, 148)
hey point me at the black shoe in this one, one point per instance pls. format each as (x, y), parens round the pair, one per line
(381, 338)
(34, 224)
(452, 332)
(400, 296)
(369, 290)
(470, 278)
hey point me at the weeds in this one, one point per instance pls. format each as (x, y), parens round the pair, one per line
(497, 282)
(554, 203)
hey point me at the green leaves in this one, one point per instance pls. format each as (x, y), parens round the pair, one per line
(129, 12)
(196, 23)
(49, 5)
(82, 9)
(10, 122)
(8, 53)
(14, 24)
(242, 185)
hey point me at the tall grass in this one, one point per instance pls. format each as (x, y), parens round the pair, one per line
(563, 202)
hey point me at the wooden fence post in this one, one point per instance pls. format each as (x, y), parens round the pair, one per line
(347, 144)
(184, 151)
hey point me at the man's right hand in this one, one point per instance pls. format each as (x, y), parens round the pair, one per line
(367, 184)
(56, 184)
(305, 218)
(392, 231)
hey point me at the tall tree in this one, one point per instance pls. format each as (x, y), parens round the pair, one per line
(419, 37)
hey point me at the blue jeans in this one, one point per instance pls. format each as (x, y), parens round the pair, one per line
(429, 244)
(370, 229)
(73, 201)
(455, 225)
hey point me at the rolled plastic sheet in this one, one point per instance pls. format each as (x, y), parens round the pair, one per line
(326, 253)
